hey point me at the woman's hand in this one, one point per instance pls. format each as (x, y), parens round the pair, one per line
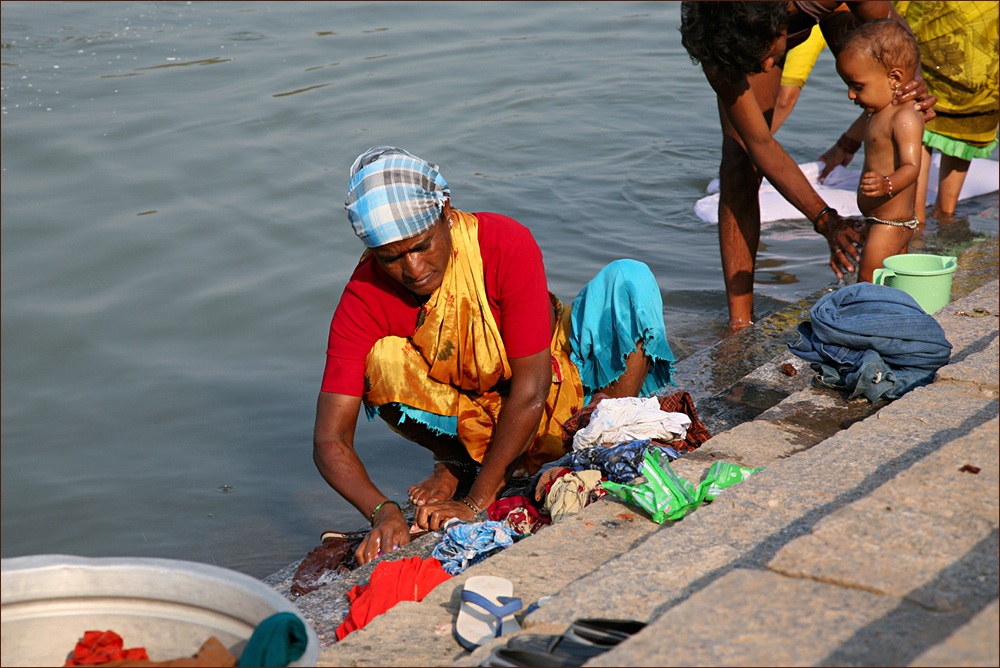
(390, 532)
(843, 239)
(836, 156)
(432, 516)
(915, 90)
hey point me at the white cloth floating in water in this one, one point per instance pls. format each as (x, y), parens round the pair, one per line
(841, 190)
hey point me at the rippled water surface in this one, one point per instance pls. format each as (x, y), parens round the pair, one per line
(174, 241)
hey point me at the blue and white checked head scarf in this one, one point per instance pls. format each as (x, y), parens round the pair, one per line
(393, 195)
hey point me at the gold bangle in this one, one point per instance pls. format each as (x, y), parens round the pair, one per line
(465, 500)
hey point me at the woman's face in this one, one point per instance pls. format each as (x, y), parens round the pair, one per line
(419, 263)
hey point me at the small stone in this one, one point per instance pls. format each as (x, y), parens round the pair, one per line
(788, 369)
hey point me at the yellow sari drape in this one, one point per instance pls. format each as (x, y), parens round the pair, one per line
(960, 64)
(455, 364)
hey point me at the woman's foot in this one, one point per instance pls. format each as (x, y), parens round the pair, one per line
(442, 483)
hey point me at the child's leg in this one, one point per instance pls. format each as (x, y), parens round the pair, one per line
(883, 241)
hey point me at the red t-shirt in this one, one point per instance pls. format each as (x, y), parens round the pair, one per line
(374, 305)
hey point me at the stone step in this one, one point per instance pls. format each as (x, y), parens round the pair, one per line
(876, 582)
(743, 530)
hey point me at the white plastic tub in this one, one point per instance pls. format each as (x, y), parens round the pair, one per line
(168, 606)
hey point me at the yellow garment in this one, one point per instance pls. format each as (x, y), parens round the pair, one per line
(801, 59)
(959, 59)
(454, 360)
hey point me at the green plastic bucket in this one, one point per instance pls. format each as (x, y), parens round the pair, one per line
(926, 278)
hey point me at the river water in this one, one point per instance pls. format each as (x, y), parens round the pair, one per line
(174, 241)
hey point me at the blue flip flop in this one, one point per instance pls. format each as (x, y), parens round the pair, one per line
(487, 611)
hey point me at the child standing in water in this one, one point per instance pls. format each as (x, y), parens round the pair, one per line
(876, 59)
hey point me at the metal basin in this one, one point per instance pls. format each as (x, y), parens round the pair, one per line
(168, 606)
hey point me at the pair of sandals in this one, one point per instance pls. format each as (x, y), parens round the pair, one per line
(585, 639)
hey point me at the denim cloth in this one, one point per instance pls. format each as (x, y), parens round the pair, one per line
(873, 341)
(466, 544)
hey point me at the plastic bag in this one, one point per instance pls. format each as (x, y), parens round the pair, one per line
(667, 497)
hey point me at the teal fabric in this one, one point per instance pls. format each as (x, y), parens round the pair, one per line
(442, 425)
(618, 308)
(277, 641)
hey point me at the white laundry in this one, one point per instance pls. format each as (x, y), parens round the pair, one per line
(631, 419)
(840, 190)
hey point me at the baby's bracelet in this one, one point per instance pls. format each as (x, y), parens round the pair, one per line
(847, 144)
(826, 210)
(371, 520)
(890, 184)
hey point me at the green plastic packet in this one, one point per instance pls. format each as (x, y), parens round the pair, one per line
(667, 496)
(664, 495)
(721, 476)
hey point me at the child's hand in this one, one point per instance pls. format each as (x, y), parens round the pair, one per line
(874, 184)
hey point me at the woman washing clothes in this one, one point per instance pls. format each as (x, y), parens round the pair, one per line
(447, 331)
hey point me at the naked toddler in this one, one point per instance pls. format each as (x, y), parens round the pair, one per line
(877, 58)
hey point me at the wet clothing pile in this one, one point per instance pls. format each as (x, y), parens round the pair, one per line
(520, 513)
(678, 402)
(872, 341)
(619, 463)
(573, 483)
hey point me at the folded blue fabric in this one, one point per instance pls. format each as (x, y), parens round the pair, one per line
(872, 341)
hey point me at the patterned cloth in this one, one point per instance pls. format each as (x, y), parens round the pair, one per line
(466, 544)
(393, 195)
(958, 57)
(572, 492)
(518, 513)
(621, 463)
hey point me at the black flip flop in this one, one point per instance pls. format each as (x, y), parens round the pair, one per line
(505, 656)
(606, 632)
(559, 646)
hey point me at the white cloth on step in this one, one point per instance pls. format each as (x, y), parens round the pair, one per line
(631, 419)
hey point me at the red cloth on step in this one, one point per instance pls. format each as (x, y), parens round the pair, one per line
(391, 582)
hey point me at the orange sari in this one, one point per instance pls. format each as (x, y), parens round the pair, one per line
(455, 364)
